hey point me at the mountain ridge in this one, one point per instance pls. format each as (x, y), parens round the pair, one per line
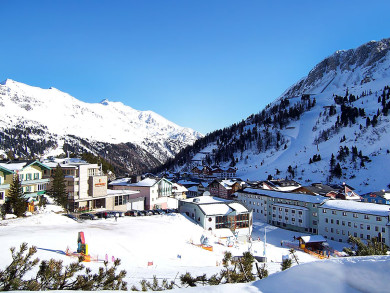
(66, 117)
(330, 126)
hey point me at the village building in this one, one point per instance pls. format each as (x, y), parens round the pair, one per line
(292, 211)
(31, 176)
(86, 185)
(343, 191)
(380, 197)
(179, 191)
(157, 192)
(224, 188)
(215, 214)
(341, 218)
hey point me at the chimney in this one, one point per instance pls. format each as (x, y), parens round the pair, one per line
(135, 178)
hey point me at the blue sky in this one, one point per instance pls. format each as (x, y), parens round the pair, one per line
(201, 64)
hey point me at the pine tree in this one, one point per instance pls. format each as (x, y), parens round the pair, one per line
(16, 197)
(58, 188)
(286, 264)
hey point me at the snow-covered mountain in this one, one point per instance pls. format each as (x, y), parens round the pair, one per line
(64, 118)
(331, 126)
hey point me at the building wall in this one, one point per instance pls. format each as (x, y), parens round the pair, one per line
(338, 225)
(97, 186)
(286, 213)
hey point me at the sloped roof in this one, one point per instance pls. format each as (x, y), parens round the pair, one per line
(312, 238)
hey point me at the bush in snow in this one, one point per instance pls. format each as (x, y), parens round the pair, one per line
(52, 275)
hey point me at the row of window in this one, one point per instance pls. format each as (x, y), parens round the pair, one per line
(355, 225)
(343, 232)
(28, 176)
(355, 215)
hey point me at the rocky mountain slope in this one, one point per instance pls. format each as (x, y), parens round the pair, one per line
(331, 126)
(40, 122)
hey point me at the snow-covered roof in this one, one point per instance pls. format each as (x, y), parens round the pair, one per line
(216, 209)
(147, 182)
(18, 166)
(239, 208)
(358, 207)
(53, 165)
(121, 181)
(193, 188)
(13, 166)
(206, 199)
(178, 188)
(313, 238)
(121, 192)
(287, 195)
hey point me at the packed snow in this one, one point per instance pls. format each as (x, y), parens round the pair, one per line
(165, 246)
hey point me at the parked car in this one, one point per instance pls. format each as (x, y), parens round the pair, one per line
(88, 216)
(70, 216)
(140, 214)
(131, 213)
(116, 213)
(148, 213)
(105, 215)
(159, 212)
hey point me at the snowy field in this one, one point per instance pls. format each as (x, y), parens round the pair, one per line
(164, 240)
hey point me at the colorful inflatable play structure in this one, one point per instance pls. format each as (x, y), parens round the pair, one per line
(82, 249)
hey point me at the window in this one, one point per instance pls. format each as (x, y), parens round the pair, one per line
(368, 237)
(337, 231)
(344, 214)
(314, 222)
(361, 236)
(383, 230)
(368, 227)
(343, 232)
(337, 222)
(366, 217)
(355, 215)
(334, 213)
(355, 234)
(349, 224)
(326, 229)
(300, 213)
(326, 220)
(314, 214)
(361, 226)
(118, 200)
(293, 211)
(343, 223)
(36, 176)
(354, 225)
(2, 195)
(331, 221)
(376, 228)
(378, 219)
(324, 211)
(331, 230)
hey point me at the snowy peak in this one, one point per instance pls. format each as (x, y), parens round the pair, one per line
(108, 122)
(347, 68)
